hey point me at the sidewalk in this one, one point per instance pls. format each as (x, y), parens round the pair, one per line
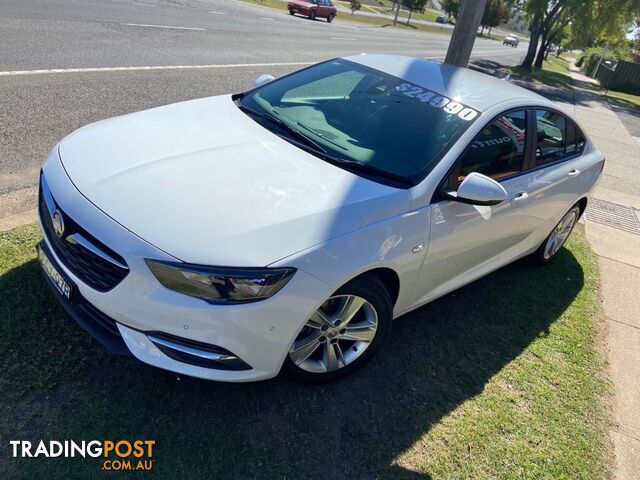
(613, 230)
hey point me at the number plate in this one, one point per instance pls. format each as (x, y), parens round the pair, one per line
(63, 285)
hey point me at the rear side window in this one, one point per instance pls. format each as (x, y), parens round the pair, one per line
(558, 137)
(498, 151)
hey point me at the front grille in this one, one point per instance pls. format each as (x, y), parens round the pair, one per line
(94, 270)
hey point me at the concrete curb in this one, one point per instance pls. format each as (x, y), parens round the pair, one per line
(18, 220)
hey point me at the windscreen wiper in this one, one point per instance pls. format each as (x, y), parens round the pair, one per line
(304, 141)
(293, 132)
(365, 168)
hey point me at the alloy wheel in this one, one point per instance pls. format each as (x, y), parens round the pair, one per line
(560, 234)
(337, 334)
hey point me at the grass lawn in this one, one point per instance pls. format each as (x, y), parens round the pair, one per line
(500, 380)
(554, 72)
(628, 100)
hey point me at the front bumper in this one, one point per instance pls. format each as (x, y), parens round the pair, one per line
(259, 334)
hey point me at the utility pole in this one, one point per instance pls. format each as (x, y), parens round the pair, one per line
(465, 31)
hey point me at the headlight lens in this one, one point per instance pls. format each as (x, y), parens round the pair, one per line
(221, 285)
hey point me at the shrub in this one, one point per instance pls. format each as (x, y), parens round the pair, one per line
(591, 56)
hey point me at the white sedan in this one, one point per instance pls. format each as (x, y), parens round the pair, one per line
(283, 229)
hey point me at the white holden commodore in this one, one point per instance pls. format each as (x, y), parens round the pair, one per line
(283, 229)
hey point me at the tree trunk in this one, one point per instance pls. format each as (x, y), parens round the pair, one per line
(465, 32)
(481, 30)
(395, 19)
(547, 40)
(410, 12)
(490, 27)
(536, 30)
(544, 43)
(531, 51)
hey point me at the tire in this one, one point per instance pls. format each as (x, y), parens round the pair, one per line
(291, 12)
(546, 252)
(309, 360)
(312, 15)
(330, 18)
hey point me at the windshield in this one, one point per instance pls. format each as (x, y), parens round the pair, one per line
(363, 116)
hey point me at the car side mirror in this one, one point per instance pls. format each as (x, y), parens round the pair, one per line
(262, 79)
(478, 189)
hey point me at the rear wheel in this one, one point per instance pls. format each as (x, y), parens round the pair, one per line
(312, 15)
(556, 239)
(343, 334)
(291, 12)
(330, 18)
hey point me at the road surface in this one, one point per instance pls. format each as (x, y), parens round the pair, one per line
(67, 63)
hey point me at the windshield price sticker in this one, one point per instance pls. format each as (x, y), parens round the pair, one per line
(438, 101)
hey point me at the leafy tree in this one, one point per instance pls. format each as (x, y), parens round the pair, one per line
(592, 21)
(495, 12)
(354, 5)
(450, 7)
(414, 5)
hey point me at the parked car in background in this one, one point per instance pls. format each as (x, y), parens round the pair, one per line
(284, 228)
(511, 40)
(441, 19)
(313, 9)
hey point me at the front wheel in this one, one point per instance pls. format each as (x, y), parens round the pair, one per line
(557, 238)
(330, 18)
(291, 12)
(312, 15)
(343, 334)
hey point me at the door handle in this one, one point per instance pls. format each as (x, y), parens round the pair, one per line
(574, 173)
(519, 197)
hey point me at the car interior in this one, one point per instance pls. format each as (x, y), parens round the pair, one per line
(368, 121)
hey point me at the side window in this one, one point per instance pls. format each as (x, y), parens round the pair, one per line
(498, 151)
(552, 137)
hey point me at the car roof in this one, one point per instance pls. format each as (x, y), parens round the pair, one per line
(471, 88)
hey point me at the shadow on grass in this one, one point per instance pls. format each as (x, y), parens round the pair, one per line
(58, 383)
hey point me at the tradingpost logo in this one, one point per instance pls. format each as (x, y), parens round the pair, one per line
(118, 455)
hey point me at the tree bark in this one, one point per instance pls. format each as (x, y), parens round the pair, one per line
(547, 38)
(544, 43)
(465, 31)
(533, 43)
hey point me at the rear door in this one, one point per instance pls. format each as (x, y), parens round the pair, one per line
(467, 241)
(556, 176)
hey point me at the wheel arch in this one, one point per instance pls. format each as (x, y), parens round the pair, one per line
(582, 203)
(389, 279)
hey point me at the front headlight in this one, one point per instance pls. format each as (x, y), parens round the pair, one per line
(221, 285)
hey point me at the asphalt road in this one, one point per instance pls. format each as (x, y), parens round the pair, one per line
(48, 51)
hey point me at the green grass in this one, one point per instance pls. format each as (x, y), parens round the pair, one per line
(627, 100)
(500, 380)
(556, 64)
(554, 72)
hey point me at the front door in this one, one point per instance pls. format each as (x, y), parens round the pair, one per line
(467, 241)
